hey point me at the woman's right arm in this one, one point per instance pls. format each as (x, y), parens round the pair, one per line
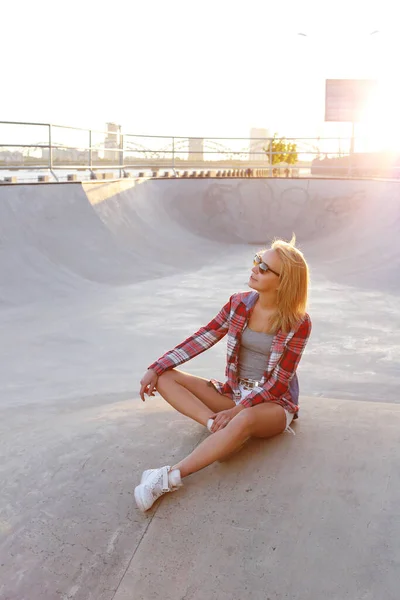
(197, 343)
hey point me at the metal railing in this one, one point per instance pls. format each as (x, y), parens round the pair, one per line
(79, 153)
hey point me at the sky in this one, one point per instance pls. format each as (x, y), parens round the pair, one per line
(210, 68)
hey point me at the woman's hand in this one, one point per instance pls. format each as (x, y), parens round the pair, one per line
(221, 419)
(148, 383)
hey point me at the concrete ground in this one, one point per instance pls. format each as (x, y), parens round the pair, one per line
(310, 516)
(96, 282)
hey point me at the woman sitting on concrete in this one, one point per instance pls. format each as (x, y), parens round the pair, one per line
(267, 331)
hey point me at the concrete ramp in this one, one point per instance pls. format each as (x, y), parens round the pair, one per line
(57, 239)
(60, 238)
(96, 281)
(351, 228)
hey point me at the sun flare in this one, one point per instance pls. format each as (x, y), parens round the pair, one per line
(379, 128)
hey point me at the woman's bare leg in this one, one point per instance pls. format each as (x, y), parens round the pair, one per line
(265, 420)
(192, 396)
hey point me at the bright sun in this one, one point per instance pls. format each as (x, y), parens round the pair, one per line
(379, 128)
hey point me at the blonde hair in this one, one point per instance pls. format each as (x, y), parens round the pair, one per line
(293, 288)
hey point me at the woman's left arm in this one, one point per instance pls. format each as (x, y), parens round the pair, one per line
(278, 382)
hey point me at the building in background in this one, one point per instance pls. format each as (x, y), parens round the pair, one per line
(196, 148)
(112, 143)
(257, 145)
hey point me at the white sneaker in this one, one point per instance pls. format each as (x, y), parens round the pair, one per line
(154, 483)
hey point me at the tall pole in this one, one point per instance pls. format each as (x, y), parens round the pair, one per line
(50, 150)
(270, 158)
(121, 152)
(353, 129)
(352, 144)
(90, 149)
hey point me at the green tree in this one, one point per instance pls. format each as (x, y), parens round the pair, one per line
(282, 151)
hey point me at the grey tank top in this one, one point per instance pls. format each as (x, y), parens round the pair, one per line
(255, 348)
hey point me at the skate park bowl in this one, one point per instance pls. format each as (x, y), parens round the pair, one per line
(99, 279)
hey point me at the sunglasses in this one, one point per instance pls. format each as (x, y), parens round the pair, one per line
(262, 266)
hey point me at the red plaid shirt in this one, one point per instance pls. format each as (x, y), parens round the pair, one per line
(279, 383)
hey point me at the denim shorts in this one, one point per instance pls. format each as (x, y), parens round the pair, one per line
(244, 391)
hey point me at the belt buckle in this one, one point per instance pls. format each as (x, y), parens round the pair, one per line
(249, 384)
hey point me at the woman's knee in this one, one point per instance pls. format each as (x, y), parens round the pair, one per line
(244, 422)
(165, 378)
